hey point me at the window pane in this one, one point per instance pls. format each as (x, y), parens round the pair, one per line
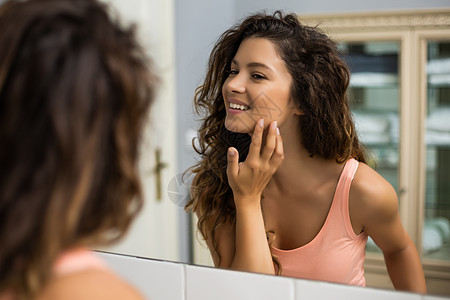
(436, 231)
(374, 97)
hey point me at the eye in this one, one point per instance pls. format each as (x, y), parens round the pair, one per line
(232, 72)
(258, 76)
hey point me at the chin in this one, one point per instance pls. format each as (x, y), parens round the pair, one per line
(238, 126)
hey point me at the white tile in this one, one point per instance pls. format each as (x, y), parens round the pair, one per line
(427, 297)
(204, 283)
(153, 278)
(313, 290)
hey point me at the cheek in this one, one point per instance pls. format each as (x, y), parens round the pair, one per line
(271, 105)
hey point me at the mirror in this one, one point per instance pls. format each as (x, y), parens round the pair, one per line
(179, 36)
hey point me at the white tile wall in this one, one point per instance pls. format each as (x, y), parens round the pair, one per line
(210, 283)
(160, 280)
(313, 290)
(154, 279)
(435, 297)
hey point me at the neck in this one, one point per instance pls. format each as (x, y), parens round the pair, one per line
(298, 167)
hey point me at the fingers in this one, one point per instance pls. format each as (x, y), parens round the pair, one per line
(251, 176)
(273, 146)
(255, 146)
(278, 154)
(271, 141)
(233, 163)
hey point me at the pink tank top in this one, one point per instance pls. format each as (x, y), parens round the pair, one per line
(336, 254)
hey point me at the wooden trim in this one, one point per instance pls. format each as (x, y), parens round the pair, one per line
(380, 21)
(407, 189)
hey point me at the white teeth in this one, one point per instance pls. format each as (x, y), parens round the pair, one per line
(237, 106)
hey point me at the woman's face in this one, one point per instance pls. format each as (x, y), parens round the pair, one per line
(258, 87)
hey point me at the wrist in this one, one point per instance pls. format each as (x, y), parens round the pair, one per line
(248, 202)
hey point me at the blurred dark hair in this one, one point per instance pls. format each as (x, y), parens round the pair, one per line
(75, 88)
(320, 79)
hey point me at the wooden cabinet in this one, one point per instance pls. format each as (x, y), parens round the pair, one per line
(400, 93)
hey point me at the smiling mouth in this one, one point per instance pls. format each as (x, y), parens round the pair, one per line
(239, 106)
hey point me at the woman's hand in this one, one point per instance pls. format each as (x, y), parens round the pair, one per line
(249, 178)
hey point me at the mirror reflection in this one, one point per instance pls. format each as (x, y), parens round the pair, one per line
(376, 90)
(283, 184)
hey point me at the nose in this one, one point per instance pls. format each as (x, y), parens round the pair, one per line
(235, 84)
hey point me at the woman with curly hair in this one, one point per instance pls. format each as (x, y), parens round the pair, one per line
(75, 88)
(282, 186)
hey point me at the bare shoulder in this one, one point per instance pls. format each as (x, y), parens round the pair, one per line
(372, 197)
(90, 284)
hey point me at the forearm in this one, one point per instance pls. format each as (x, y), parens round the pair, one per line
(405, 270)
(248, 180)
(252, 251)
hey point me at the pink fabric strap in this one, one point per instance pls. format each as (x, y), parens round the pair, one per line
(77, 260)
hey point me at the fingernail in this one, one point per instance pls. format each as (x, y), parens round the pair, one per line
(261, 123)
(274, 124)
(278, 131)
(231, 152)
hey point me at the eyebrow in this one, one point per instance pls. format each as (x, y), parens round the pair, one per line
(253, 65)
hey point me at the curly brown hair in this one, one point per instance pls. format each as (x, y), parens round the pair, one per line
(319, 89)
(75, 89)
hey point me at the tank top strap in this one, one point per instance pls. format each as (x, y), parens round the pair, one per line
(77, 260)
(342, 194)
(350, 170)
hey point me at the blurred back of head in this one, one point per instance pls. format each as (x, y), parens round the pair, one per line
(75, 89)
